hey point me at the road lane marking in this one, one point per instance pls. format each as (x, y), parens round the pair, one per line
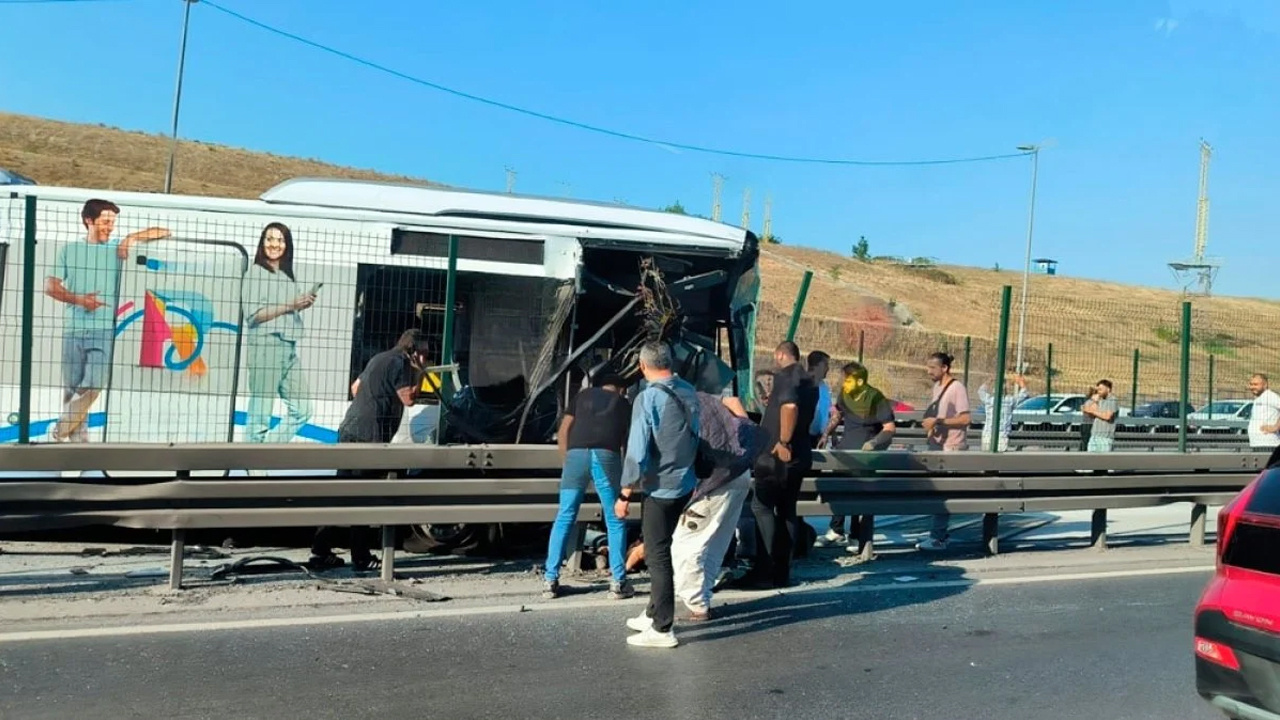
(870, 583)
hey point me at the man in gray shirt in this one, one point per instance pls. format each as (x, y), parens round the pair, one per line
(1104, 410)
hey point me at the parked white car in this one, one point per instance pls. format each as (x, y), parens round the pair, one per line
(1235, 411)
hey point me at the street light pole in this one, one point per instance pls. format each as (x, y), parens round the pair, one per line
(177, 93)
(1034, 150)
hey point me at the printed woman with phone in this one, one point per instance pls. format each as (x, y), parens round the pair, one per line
(273, 305)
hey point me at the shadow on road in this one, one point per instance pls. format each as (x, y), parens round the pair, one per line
(865, 594)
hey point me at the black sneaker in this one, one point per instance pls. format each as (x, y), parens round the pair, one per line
(621, 591)
(551, 590)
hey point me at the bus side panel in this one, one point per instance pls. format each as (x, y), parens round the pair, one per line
(177, 333)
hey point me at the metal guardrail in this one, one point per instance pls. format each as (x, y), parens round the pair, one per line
(520, 484)
(1069, 441)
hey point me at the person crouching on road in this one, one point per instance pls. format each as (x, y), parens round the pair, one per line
(661, 450)
(388, 385)
(731, 443)
(591, 438)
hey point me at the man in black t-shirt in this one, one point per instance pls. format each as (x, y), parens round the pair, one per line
(592, 436)
(780, 471)
(388, 384)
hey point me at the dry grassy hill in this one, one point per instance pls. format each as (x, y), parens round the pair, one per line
(899, 313)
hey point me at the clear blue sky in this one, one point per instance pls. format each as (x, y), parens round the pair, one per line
(1124, 89)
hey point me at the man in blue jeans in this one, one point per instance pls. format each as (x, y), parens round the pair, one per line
(592, 437)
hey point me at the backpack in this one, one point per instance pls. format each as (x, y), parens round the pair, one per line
(704, 462)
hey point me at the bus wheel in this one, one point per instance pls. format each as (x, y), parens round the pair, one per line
(459, 539)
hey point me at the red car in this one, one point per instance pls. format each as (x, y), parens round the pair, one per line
(1237, 622)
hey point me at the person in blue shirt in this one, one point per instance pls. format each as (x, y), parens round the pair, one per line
(662, 447)
(87, 281)
(819, 366)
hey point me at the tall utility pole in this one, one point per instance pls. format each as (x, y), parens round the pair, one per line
(746, 209)
(177, 93)
(717, 187)
(1205, 271)
(768, 218)
(1034, 150)
(511, 180)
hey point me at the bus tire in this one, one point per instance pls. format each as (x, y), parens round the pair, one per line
(451, 539)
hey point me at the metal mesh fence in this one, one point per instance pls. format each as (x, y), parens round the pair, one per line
(168, 325)
(894, 354)
(1137, 345)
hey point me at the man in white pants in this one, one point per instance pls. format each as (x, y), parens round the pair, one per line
(730, 443)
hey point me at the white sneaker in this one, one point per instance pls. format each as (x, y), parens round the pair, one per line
(640, 623)
(653, 639)
(932, 545)
(830, 539)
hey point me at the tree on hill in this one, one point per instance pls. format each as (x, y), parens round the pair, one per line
(675, 208)
(771, 239)
(862, 249)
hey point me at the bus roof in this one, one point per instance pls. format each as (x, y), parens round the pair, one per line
(447, 203)
(404, 204)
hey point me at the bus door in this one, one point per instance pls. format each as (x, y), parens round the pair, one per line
(176, 356)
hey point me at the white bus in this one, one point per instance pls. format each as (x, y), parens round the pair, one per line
(147, 322)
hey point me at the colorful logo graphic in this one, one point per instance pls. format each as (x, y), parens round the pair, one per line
(175, 345)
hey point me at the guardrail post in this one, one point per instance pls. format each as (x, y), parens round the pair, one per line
(799, 306)
(991, 533)
(866, 538)
(1002, 357)
(1137, 357)
(578, 538)
(389, 545)
(1198, 514)
(28, 321)
(177, 551)
(178, 546)
(1184, 375)
(1098, 529)
(968, 353)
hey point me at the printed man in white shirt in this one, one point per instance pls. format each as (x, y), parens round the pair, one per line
(1264, 421)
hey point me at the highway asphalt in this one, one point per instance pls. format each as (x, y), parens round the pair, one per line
(1115, 648)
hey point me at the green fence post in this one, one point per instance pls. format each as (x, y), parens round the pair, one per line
(1048, 378)
(1137, 357)
(1184, 373)
(1002, 356)
(1209, 402)
(862, 344)
(799, 306)
(28, 322)
(446, 342)
(968, 353)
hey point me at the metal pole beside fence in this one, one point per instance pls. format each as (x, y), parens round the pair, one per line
(1209, 401)
(446, 342)
(1137, 357)
(799, 306)
(28, 321)
(968, 353)
(862, 345)
(1184, 375)
(1048, 377)
(1002, 357)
